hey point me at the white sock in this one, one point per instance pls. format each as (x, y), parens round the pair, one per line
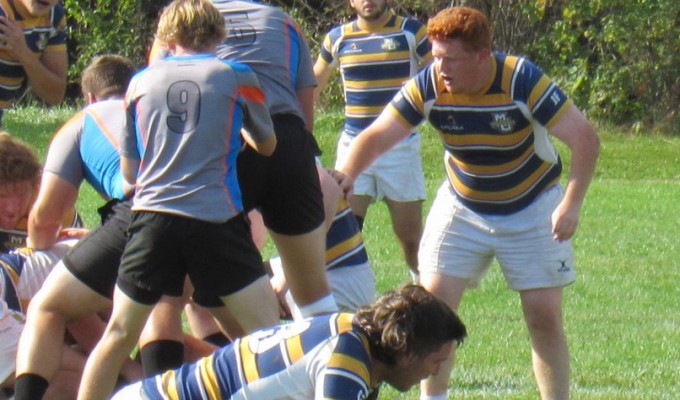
(324, 305)
(434, 396)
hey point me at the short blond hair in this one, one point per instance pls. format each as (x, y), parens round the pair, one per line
(195, 24)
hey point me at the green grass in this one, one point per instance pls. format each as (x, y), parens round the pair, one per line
(622, 314)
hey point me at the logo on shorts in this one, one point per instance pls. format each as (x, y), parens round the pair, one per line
(563, 266)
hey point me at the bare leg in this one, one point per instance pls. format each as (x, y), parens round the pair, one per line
(549, 350)
(407, 222)
(359, 204)
(104, 364)
(61, 299)
(303, 257)
(254, 307)
(450, 290)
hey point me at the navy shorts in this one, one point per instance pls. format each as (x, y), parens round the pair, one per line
(219, 258)
(96, 257)
(285, 186)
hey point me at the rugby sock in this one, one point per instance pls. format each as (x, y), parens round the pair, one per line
(161, 355)
(360, 220)
(325, 305)
(434, 397)
(218, 339)
(30, 387)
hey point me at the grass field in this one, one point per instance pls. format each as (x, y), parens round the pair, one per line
(623, 313)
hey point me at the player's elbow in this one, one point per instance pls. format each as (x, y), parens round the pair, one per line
(267, 147)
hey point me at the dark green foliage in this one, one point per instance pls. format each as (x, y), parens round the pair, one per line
(619, 60)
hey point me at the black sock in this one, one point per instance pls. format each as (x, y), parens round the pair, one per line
(30, 387)
(218, 339)
(360, 220)
(161, 355)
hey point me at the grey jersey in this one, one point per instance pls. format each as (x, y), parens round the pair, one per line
(183, 121)
(273, 45)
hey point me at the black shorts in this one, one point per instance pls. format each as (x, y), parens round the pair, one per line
(285, 186)
(96, 257)
(220, 259)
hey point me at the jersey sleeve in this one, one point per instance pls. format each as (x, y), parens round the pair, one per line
(305, 71)
(328, 50)
(63, 157)
(256, 115)
(128, 142)
(57, 39)
(348, 373)
(544, 98)
(409, 104)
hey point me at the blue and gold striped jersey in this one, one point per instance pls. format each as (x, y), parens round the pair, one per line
(374, 64)
(11, 266)
(43, 34)
(344, 241)
(16, 237)
(320, 358)
(498, 155)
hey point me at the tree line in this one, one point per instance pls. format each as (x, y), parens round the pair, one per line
(618, 59)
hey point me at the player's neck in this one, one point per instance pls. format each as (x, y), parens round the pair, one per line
(367, 25)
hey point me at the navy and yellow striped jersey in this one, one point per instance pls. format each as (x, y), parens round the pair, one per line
(23, 272)
(43, 34)
(344, 241)
(498, 155)
(323, 357)
(374, 64)
(16, 237)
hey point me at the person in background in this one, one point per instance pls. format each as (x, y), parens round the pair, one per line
(399, 339)
(503, 198)
(376, 53)
(20, 173)
(32, 51)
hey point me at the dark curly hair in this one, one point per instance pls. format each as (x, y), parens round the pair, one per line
(410, 322)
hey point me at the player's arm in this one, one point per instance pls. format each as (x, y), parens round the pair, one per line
(130, 167)
(322, 73)
(306, 99)
(579, 135)
(45, 73)
(56, 197)
(265, 147)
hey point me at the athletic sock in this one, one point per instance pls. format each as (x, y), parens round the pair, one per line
(30, 387)
(161, 355)
(218, 339)
(324, 305)
(434, 397)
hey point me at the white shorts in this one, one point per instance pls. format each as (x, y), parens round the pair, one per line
(461, 243)
(129, 392)
(11, 325)
(396, 175)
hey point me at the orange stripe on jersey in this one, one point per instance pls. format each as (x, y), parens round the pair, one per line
(252, 93)
(112, 137)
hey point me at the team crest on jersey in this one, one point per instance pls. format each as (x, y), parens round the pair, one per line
(501, 122)
(41, 43)
(390, 44)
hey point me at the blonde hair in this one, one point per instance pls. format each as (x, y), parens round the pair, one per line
(194, 24)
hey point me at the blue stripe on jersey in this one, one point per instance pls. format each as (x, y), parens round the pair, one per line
(343, 383)
(11, 265)
(492, 163)
(344, 241)
(293, 40)
(101, 160)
